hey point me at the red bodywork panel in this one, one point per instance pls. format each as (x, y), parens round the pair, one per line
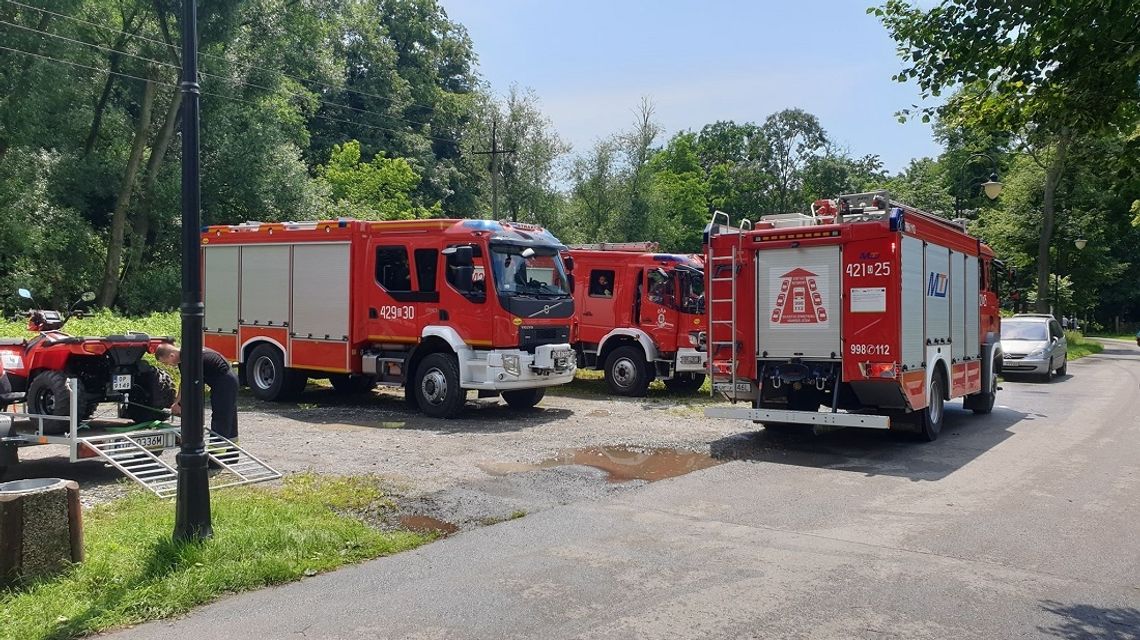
(667, 319)
(377, 316)
(871, 289)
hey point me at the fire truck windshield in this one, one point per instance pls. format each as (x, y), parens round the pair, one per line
(528, 271)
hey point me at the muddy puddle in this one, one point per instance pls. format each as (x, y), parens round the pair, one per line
(427, 524)
(620, 464)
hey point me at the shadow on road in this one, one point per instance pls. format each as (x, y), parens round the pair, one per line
(964, 437)
(387, 409)
(1088, 622)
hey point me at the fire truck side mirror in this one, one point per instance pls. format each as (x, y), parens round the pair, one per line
(461, 256)
(569, 262)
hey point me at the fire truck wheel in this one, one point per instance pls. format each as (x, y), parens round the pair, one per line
(48, 395)
(685, 382)
(352, 384)
(627, 373)
(930, 419)
(437, 386)
(983, 402)
(269, 379)
(524, 398)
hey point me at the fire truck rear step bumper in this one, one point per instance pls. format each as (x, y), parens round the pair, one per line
(864, 421)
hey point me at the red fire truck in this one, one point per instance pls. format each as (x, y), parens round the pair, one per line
(875, 310)
(438, 307)
(639, 315)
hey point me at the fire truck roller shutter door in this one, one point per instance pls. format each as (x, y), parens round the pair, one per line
(937, 289)
(958, 306)
(220, 288)
(913, 325)
(321, 286)
(798, 295)
(973, 304)
(265, 285)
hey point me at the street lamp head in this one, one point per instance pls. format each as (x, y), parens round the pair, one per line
(1081, 243)
(992, 187)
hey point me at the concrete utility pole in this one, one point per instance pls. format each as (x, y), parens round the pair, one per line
(495, 152)
(192, 505)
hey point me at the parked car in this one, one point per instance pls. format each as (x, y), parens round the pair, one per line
(1035, 344)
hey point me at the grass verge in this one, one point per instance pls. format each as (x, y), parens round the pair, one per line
(1080, 346)
(134, 573)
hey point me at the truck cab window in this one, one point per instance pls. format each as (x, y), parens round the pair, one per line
(392, 269)
(478, 292)
(661, 288)
(602, 283)
(426, 260)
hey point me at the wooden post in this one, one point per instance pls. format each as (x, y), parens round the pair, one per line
(41, 528)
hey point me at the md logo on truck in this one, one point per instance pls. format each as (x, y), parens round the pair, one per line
(937, 284)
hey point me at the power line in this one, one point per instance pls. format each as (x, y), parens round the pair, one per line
(219, 77)
(216, 95)
(89, 44)
(222, 58)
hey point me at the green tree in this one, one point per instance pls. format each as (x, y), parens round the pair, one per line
(1053, 73)
(380, 189)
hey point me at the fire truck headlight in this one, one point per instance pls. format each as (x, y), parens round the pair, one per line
(697, 339)
(511, 365)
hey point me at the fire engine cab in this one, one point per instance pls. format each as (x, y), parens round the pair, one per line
(639, 315)
(871, 309)
(439, 307)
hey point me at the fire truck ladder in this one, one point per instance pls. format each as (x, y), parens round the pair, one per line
(644, 247)
(717, 327)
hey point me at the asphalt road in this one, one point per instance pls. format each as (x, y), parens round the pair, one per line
(1023, 523)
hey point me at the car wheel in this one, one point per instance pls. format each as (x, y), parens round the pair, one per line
(1064, 368)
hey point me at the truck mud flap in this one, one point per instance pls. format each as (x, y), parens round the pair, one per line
(864, 421)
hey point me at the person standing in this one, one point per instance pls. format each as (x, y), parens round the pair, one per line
(223, 382)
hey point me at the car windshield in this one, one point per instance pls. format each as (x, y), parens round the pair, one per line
(1013, 330)
(540, 275)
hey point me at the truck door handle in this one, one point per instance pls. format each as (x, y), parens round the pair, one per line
(587, 313)
(373, 313)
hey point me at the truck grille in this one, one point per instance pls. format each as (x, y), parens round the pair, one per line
(531, 337)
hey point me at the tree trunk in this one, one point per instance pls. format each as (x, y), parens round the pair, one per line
(1052, 178)
(101, 106)
(141, 226)
(110, 286)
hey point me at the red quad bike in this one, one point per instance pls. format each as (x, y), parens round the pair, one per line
(108, 369)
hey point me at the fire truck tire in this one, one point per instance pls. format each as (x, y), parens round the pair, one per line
(522, 399)
(627, 373)
(268, 377)
(983, 402)
(352, 384)
(930, 419)
(48, 395)
(437, 387)
(154, 389)
(685, 382)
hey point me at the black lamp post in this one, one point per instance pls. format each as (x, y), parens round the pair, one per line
(192, 508)
(992, 187)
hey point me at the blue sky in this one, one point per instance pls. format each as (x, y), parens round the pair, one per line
(591, 61)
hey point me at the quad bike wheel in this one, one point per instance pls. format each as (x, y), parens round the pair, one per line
(48, 395)
(150, 396)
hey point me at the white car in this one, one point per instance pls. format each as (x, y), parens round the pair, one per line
(1033, 343)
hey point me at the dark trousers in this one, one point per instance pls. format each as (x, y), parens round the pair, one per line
(223, 406)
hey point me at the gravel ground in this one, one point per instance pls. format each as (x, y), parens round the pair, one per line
(474, 470)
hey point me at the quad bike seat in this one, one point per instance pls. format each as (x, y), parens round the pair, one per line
(12, 342)
(130, 337)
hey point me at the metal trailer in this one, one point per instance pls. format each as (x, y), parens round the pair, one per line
(135, 453)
